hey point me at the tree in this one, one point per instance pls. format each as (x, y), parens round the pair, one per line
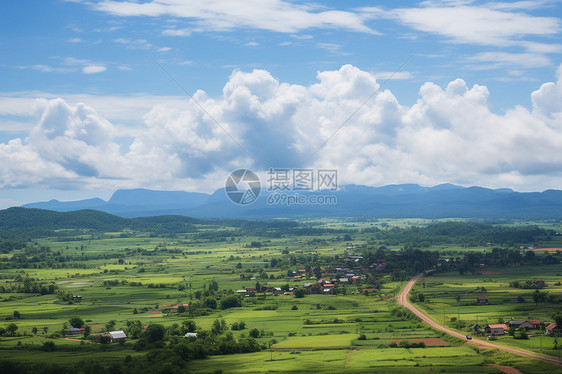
(45, 330)
(154, 333)
(254, 333)
(295, 307)
(189, 325)
(230, 301)
(511, 331)
(218, 327)
(558, 319)
(17, 314)
(34, 331)
(299, 293)
(110, 326)
(76, 321)
(87, 331)
(135, 311)
(11, 329)
(49, 347)
(134, 329)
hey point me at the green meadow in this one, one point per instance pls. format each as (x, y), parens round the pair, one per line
(129, 275)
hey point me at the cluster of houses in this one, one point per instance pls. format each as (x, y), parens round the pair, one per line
(325, 285)
(499, 329)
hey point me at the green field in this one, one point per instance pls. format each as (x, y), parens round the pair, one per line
(138, 275)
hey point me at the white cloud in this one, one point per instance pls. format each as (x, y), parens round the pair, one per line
(500, 59)
(251, 44)
(93, 69)
(75, 40)
(548, 98)
(47, 68)
(164, 49)
(449, 135)
(134, 43)
(220, 15)
(477, 25)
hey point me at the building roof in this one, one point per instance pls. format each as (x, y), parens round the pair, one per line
(481, 297)
(190, 335)
(74, 329)
(551, 327)
(498, 326)
(534, 322)
(117, 334)
(516, 322)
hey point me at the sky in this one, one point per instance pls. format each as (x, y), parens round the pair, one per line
(102, 95)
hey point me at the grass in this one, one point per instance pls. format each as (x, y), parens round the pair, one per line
(309, 339)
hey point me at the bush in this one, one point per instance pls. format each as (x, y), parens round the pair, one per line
(362, 337)
(254, 333)
(49, 347)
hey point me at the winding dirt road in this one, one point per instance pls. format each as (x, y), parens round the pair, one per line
(403, 300)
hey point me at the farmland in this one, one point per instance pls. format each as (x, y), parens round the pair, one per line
(208, 277)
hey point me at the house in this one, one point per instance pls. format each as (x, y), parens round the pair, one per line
(515, 322)
(315, 289)
(496, 329)
(75, 331)
(535, 324)
(77, 297)
(476, 328)
(117, 336)
(482, 299)
(539, 283)
(554, 330)
(190, 335)
(526, 325)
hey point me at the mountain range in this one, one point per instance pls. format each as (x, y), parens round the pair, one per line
(391, 201)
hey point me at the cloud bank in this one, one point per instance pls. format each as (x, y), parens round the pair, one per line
(449, 135)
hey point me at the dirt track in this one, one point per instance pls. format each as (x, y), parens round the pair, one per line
(403, 300)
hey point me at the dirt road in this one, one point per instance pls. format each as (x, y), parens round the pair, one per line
(403, 300)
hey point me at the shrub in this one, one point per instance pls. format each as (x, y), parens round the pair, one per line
(49, 347)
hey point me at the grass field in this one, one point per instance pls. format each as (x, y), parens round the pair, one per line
(350, 332)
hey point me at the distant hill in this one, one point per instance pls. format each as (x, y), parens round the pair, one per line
(39, 219)
(392, 201)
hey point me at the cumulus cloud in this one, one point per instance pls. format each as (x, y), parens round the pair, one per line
(449, 135)
(548, 98)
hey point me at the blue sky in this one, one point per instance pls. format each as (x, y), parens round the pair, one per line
(85, 107)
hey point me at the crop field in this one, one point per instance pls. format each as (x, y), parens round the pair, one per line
(451, 298)
(127, 275)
